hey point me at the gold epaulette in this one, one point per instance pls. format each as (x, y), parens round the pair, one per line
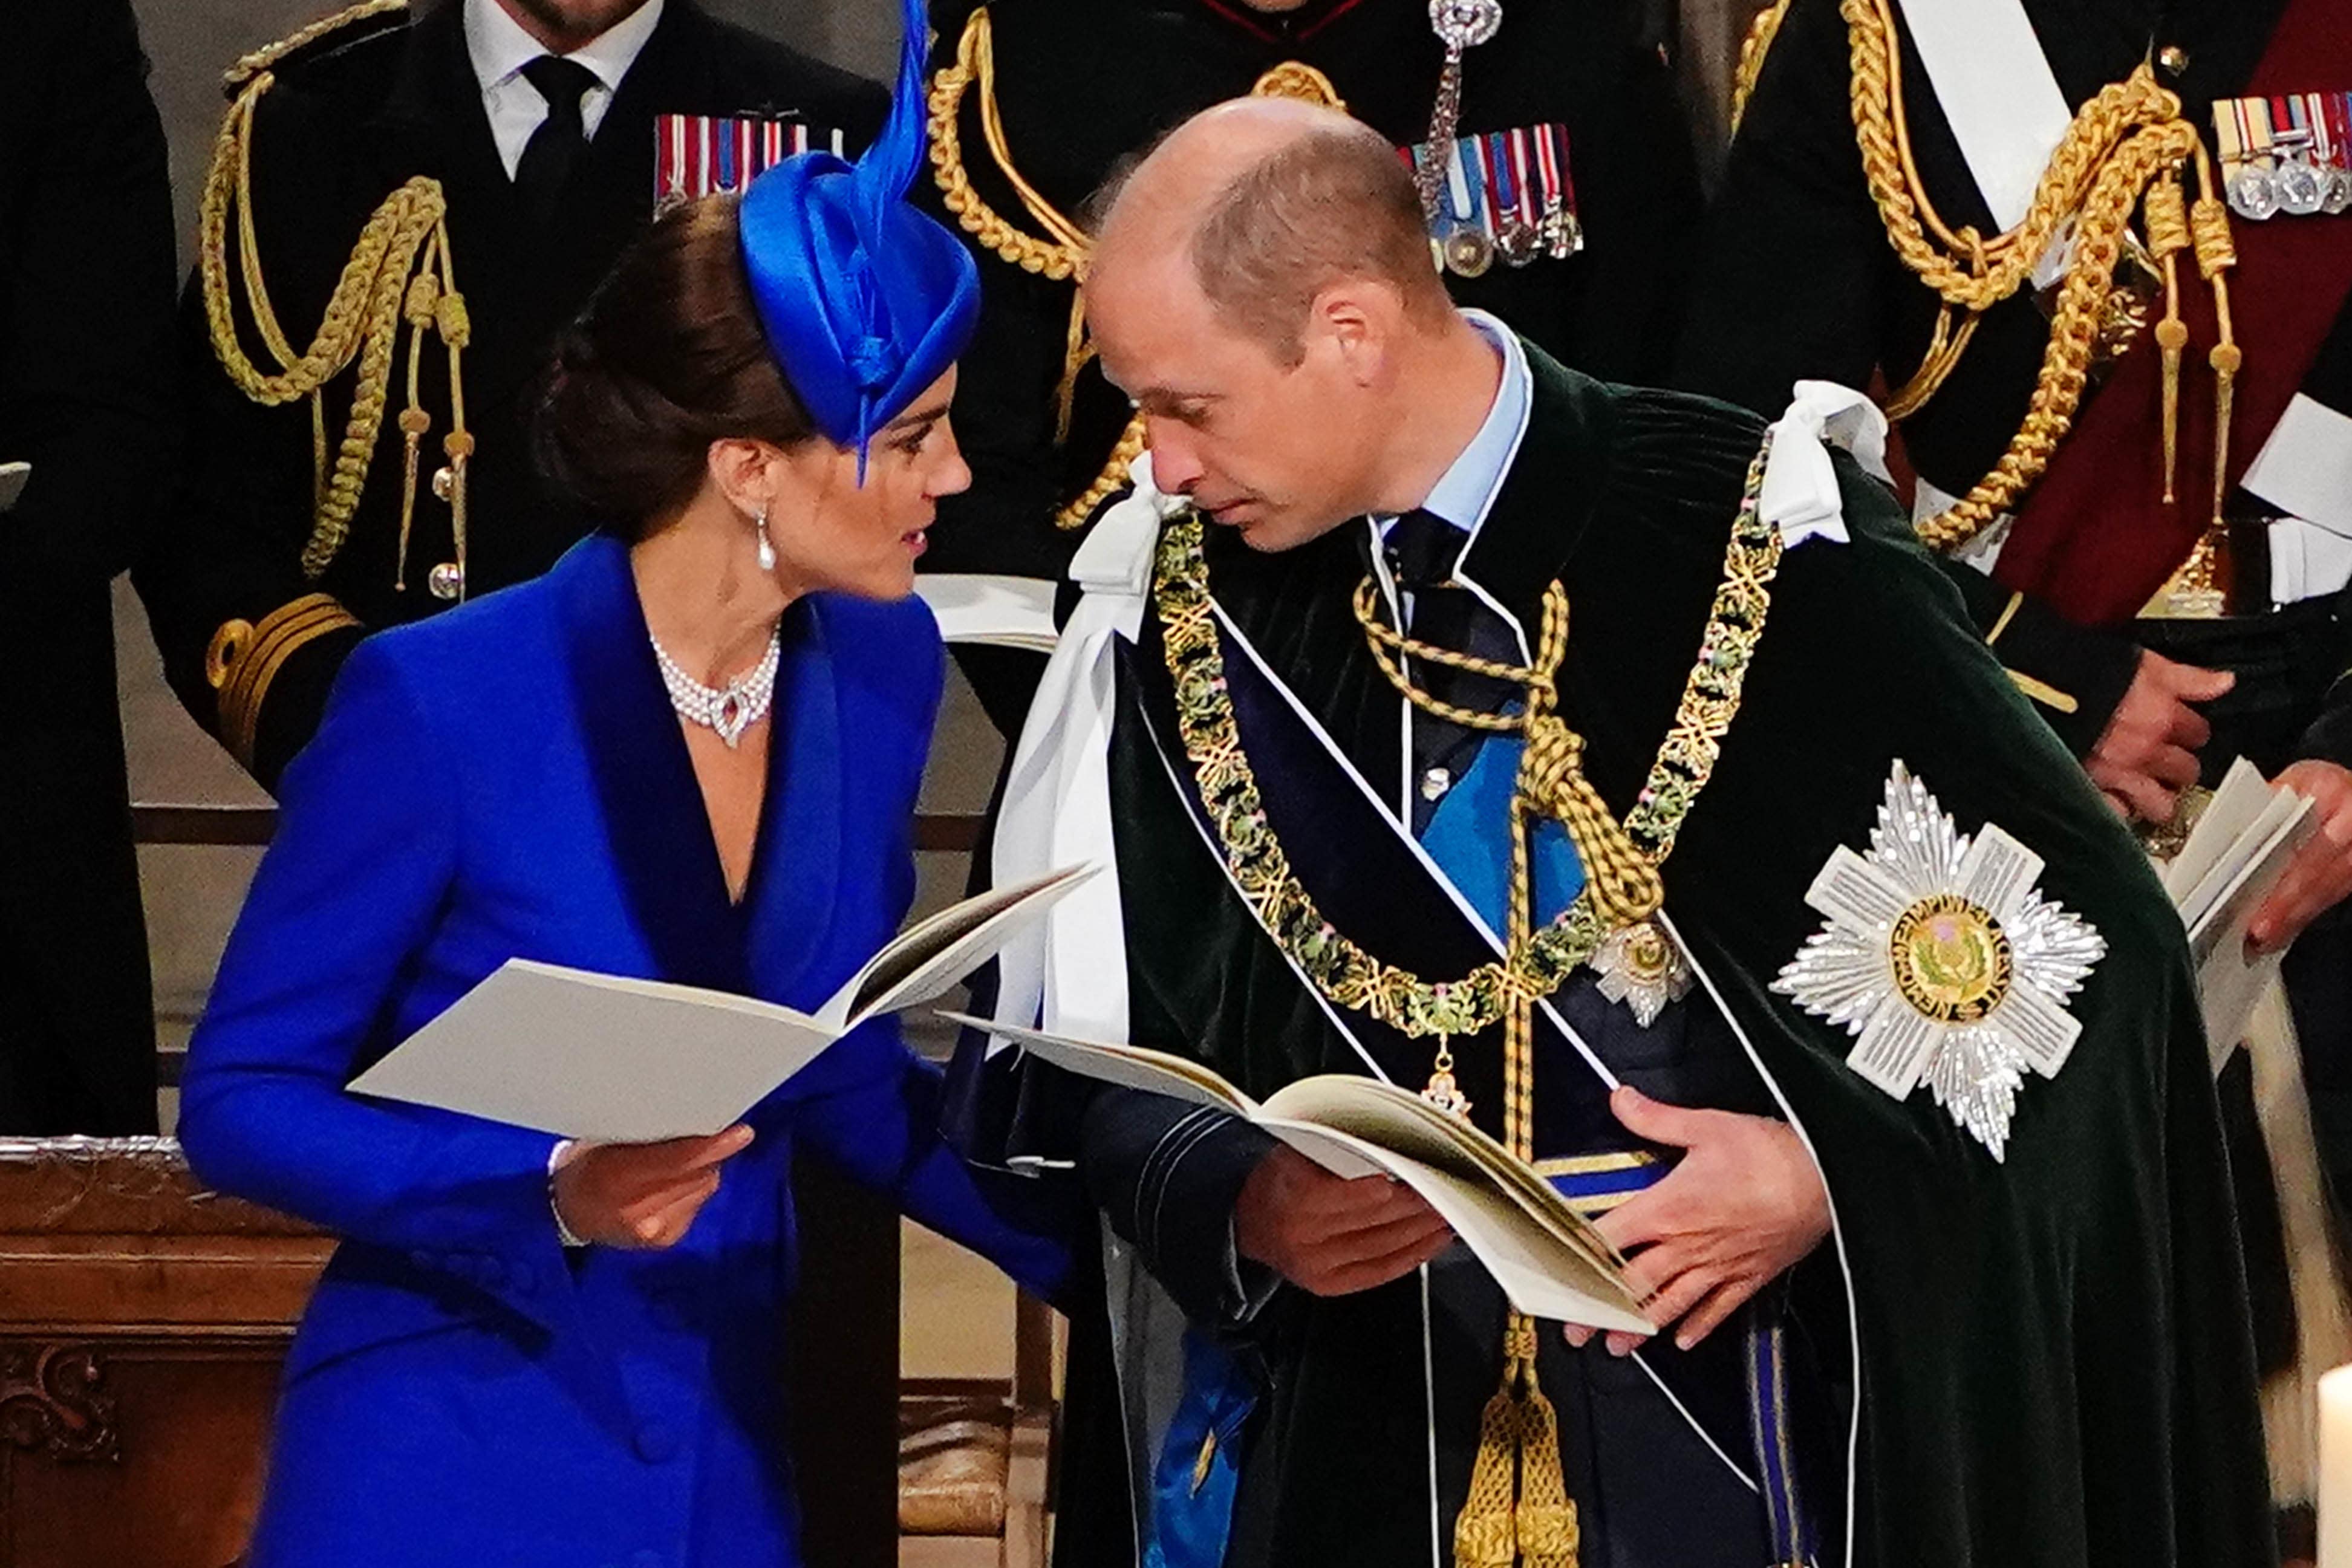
(401, 271)
(301, 42)
(245, 658)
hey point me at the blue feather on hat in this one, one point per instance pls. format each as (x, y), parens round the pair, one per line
(865, 302)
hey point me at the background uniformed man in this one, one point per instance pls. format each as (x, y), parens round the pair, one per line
(2061, 355)
(467, 174)
(1036, 102)
(86, 399)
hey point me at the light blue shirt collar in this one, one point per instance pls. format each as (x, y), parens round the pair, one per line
(1465, 492)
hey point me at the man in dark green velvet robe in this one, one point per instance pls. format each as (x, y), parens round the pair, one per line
(1899, 1103)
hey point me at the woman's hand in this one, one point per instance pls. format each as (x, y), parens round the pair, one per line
(641, 1194)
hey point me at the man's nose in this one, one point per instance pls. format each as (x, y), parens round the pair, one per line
(1175, 466)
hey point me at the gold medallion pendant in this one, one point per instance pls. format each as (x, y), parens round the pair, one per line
(1640, 967)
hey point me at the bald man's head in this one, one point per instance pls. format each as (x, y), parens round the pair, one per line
(1275, 201)
(1262, 289)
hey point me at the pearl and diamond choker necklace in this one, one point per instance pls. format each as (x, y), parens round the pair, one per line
(730, 709)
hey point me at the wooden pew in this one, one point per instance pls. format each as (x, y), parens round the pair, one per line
(142, 1326)
(143, 1321)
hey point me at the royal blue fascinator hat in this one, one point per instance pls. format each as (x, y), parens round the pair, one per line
(865, 302)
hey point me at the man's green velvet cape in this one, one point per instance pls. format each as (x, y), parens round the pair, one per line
(2053, 1353)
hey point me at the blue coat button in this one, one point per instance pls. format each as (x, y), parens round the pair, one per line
(657, 1444)
(490, 1270)
(523, 1277)
(422, 1259)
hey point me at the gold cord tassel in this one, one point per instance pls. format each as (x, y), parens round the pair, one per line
(2168, 236)
(1518, 1504)
(2216, 253)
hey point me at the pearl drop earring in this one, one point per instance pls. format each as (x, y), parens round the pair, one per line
(767, 550)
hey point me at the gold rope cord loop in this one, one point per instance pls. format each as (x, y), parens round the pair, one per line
(1968, 273)
(1753, 46)
(403, 244)
(1551, 781)
(2074, 333)
(263, 58)
(2127, 142)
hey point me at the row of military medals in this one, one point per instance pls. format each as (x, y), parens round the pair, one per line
(695, 155)
(2286, 154)
(1506, 195)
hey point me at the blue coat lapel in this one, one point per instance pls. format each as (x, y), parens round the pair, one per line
(794, 887)
(654, 821)
(654, 817)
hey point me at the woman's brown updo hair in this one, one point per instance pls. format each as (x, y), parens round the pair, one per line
(668, 358)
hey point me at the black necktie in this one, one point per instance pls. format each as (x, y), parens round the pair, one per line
(555, 147)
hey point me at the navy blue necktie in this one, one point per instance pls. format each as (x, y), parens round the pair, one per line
(548, 158)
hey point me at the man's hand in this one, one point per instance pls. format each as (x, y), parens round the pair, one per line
(642, 1196)
(2320, 875)
(2147, 755)
(1743, 1206)
(1331, 1235)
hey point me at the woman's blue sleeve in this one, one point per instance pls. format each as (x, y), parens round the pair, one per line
(345, 902)
(882, 1127)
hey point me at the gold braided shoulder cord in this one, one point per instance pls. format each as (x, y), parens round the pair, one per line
(1517, 1508)
(1065, 249)
(1754, 45)
(401, 266)
(1061, 257)
(2128, 142)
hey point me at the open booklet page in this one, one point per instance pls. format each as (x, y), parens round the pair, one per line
(1547, 1260)
(926, 960)
(2241, 845)
(614, 1060)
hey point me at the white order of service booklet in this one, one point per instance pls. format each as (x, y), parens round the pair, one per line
(2232, 857)
(610, 1059)
(1547, 1258)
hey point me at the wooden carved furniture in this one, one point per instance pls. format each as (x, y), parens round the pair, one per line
(974, 1455)
(141, 1325)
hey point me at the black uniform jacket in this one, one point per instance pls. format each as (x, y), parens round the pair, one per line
(86, 397)
(1798, 279)
(349, 120)
(1083, 84)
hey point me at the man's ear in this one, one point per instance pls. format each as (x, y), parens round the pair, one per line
(1355, 321)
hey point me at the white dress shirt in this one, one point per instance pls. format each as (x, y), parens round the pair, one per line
(499, 48)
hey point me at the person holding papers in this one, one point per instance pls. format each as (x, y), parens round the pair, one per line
(689, 753)
(1615, 771)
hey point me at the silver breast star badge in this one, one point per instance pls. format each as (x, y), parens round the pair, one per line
(1944, 961)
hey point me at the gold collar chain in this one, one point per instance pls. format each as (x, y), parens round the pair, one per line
(1536, 965)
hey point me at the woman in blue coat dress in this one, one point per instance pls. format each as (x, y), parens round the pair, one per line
(688, 753)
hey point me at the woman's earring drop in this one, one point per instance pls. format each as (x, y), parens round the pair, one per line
(767, 550)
